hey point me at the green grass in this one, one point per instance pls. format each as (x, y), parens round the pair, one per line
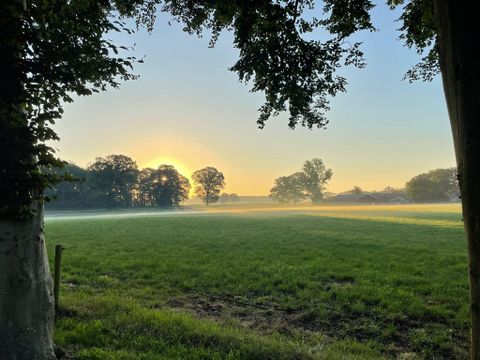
(303, 283)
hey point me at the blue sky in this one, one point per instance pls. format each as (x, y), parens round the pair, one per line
(188, 110)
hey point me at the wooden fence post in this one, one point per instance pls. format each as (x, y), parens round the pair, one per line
(57, 277)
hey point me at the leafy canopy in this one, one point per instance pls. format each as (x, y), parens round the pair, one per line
(310, 182)
(208, 184)
(114, 177)
(50, 49)
(57, 48)
(435, 185)
(164, 187)
(288, 189)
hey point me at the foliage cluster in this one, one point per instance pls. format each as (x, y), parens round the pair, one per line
(309, 183)
(209, 182)
(434, 185)
(226, 198)
(116, 181)
(52, 50)
(437, 185)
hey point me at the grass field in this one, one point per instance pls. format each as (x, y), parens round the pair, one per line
(360, 282)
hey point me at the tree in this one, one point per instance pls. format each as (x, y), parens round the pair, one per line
(435, 185)
(234, 197)
(115, 181)
(356, 190)
(289, 189)
(168, 187)
(114, 178)
(49, 50)
(145, 187)
(390, 190)
(315, 177)
(308, 183)
(225, 197)
(73, 192)
(208, 184)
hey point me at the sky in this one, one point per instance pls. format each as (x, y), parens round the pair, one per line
(188, 110)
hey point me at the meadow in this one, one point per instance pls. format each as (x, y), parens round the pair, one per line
(252, 282)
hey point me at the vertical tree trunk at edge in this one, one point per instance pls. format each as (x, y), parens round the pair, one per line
(26, 293)
(459, 49)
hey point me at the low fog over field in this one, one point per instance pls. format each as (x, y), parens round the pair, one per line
(268, 209)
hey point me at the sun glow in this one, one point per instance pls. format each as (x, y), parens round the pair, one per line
(179, 166)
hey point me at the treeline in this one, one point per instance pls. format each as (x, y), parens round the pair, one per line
(226, 198)
(309, 183)
(439, 185)
(115, 181)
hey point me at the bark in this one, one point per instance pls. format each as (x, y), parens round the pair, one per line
(26, 294)
(459, 49)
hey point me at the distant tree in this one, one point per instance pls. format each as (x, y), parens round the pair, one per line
(100, 186)
(208, 184)
(225, 197)
(289, 189)
(168, 187)
(435, 185)
(72, 192)
(308, 183)
(356, 190)
(234, 197)
(389, 190)
(113, 179)
(328, 195)
(315, 176)
(145, 187)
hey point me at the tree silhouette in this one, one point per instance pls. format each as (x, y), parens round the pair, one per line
(315, 176)
(308, 183)
(208, 184)
(114, 178)
(168, 187)
(435, 185)
(288, 189)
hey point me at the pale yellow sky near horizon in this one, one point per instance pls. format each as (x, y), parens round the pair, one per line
(188, 110)
(250, 174)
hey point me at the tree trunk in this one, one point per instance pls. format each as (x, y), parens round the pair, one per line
(26, 299)
(26, 294)
(458, 31)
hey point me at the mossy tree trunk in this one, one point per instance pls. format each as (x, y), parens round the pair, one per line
(459, 50)
(26, 293)
(26, 298)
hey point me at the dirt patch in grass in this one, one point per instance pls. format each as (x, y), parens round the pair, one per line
(265, 318)
(269, 318)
